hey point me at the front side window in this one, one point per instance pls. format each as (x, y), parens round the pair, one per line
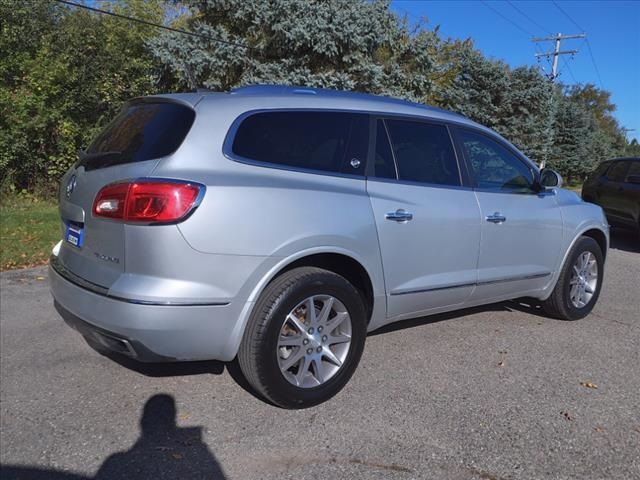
(327, 141)
(493, 166)
(423, 152)
(618, 171)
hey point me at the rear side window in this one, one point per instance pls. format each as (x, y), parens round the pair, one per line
(618, 171)
(494, 167)
(141, 131)
(326, 141)
(423, 152)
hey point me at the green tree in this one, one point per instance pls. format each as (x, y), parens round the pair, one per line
(331, 43)
(69, 75)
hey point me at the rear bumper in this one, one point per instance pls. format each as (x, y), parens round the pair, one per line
(148, 333)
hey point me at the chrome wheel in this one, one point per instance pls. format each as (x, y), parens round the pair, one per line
(584, 279)
(314, 341)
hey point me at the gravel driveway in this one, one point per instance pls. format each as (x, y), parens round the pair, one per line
(498, 392)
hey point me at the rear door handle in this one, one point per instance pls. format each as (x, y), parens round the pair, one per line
(400, 216)
(496, 218)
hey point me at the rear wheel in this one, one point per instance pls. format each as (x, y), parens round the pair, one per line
(304, 339)
(580, 281)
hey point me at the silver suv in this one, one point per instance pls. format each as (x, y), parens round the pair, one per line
(279, 225)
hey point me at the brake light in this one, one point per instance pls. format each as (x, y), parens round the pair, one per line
(147, 200)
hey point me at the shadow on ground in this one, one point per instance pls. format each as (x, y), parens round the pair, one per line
(163, 451)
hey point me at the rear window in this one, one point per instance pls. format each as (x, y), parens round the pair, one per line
(326, 141)
(141, 131)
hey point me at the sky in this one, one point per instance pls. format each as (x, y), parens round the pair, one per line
(612, 28)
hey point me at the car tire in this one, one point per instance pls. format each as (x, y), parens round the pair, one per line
(281, 316)
(566, 301)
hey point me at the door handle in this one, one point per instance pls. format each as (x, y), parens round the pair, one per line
(400, 216)
(496, 218)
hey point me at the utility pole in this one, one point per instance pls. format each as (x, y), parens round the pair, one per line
(556, 52)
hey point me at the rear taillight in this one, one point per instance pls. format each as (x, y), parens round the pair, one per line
(147, 200)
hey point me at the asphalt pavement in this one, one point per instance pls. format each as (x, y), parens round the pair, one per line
(499, 392)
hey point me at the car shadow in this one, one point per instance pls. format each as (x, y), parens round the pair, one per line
(163, 451)
(626, 240)
(181, 369)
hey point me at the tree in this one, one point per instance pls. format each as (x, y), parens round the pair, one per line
(335, 44)
(69, 72)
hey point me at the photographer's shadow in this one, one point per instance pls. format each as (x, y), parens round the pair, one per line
(164, 450)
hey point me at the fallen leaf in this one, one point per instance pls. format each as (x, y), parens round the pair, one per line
(589, 385)
(502, 355)
(599, 429)
(39, 278)
(184, 416)
(177, 456)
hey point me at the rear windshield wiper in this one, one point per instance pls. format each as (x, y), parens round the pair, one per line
(96, 159)
(84, 156)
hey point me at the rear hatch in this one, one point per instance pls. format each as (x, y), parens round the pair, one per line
(144, 132)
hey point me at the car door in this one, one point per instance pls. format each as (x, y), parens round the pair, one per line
(631, 195)
(428, 222)
(612, 197)
(521, 226)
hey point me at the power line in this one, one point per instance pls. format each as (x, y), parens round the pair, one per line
(567, 15)
(528, 17)
(151, 24)
(593, 60)
(566, 64)
(595, 65)
(497, 12)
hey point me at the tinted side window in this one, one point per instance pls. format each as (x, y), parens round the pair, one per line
(618, 171)
(141, 131)
(423, 152)
(493, 166)
(328, 141)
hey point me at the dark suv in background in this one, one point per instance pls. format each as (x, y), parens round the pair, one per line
(615, 186)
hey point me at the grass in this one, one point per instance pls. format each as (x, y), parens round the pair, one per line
(28, 231)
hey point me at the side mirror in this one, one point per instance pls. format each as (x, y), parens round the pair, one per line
(550, 178)
(635, 179)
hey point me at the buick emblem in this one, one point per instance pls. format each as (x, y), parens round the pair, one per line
(71, 185)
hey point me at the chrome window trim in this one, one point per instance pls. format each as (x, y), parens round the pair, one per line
(227, 144)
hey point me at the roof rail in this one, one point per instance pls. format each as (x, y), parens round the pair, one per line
(265, 89)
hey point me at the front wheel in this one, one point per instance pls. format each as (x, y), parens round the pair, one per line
(304, 339)
(579, 284)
